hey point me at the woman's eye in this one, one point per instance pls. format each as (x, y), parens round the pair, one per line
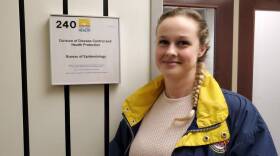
(163, 42)
(183, 43)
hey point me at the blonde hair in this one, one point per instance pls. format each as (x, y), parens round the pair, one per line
(203, 32)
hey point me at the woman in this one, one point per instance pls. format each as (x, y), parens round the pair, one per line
(184, 112)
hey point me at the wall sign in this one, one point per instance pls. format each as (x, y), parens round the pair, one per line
(84, 50)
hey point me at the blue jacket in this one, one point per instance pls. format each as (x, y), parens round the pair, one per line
(225, 123)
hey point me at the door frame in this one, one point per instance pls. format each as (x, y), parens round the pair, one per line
(246, 41)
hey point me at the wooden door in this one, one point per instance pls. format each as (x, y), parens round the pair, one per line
(246, 41)
(258, 59)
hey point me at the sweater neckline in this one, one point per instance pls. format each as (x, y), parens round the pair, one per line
(175, 100)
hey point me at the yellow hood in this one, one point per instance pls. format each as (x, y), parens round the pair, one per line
(212, 111)
(212, 108)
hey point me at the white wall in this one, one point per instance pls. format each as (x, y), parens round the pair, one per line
(135, 57)
(87, 101)
(266, 74)
(11, 133)
(46, 102)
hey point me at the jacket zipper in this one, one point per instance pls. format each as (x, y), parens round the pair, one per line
(204, 129)
(199, 130)
(131, 132)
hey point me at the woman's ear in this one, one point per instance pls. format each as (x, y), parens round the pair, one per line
(202, 50)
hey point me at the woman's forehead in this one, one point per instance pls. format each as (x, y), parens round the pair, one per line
(178, 25)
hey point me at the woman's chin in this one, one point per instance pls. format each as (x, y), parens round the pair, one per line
(170, 73)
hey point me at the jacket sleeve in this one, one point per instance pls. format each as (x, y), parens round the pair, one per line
(121, 140)
(249, 133)
(114, 149)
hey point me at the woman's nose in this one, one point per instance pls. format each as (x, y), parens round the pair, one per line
(171, 50)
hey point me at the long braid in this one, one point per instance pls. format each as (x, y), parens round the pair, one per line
(197, 84)
(199, 78)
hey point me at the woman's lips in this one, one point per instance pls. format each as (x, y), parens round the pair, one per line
(171, 63)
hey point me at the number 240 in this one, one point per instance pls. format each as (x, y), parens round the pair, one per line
(65, 24)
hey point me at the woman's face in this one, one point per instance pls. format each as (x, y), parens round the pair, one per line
(178, 46)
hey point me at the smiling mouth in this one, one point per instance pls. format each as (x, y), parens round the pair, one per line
(171, 62)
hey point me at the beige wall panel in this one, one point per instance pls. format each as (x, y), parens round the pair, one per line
(11, 131)
(135, 54)
(87, 120)
(156, 11)
(46, 102)
(85, 7)
(87, 101)
(235, 45)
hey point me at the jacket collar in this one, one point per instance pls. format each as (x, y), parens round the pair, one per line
(212, 108)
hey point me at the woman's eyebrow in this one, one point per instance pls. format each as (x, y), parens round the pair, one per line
(162, 37)
(183, 37)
